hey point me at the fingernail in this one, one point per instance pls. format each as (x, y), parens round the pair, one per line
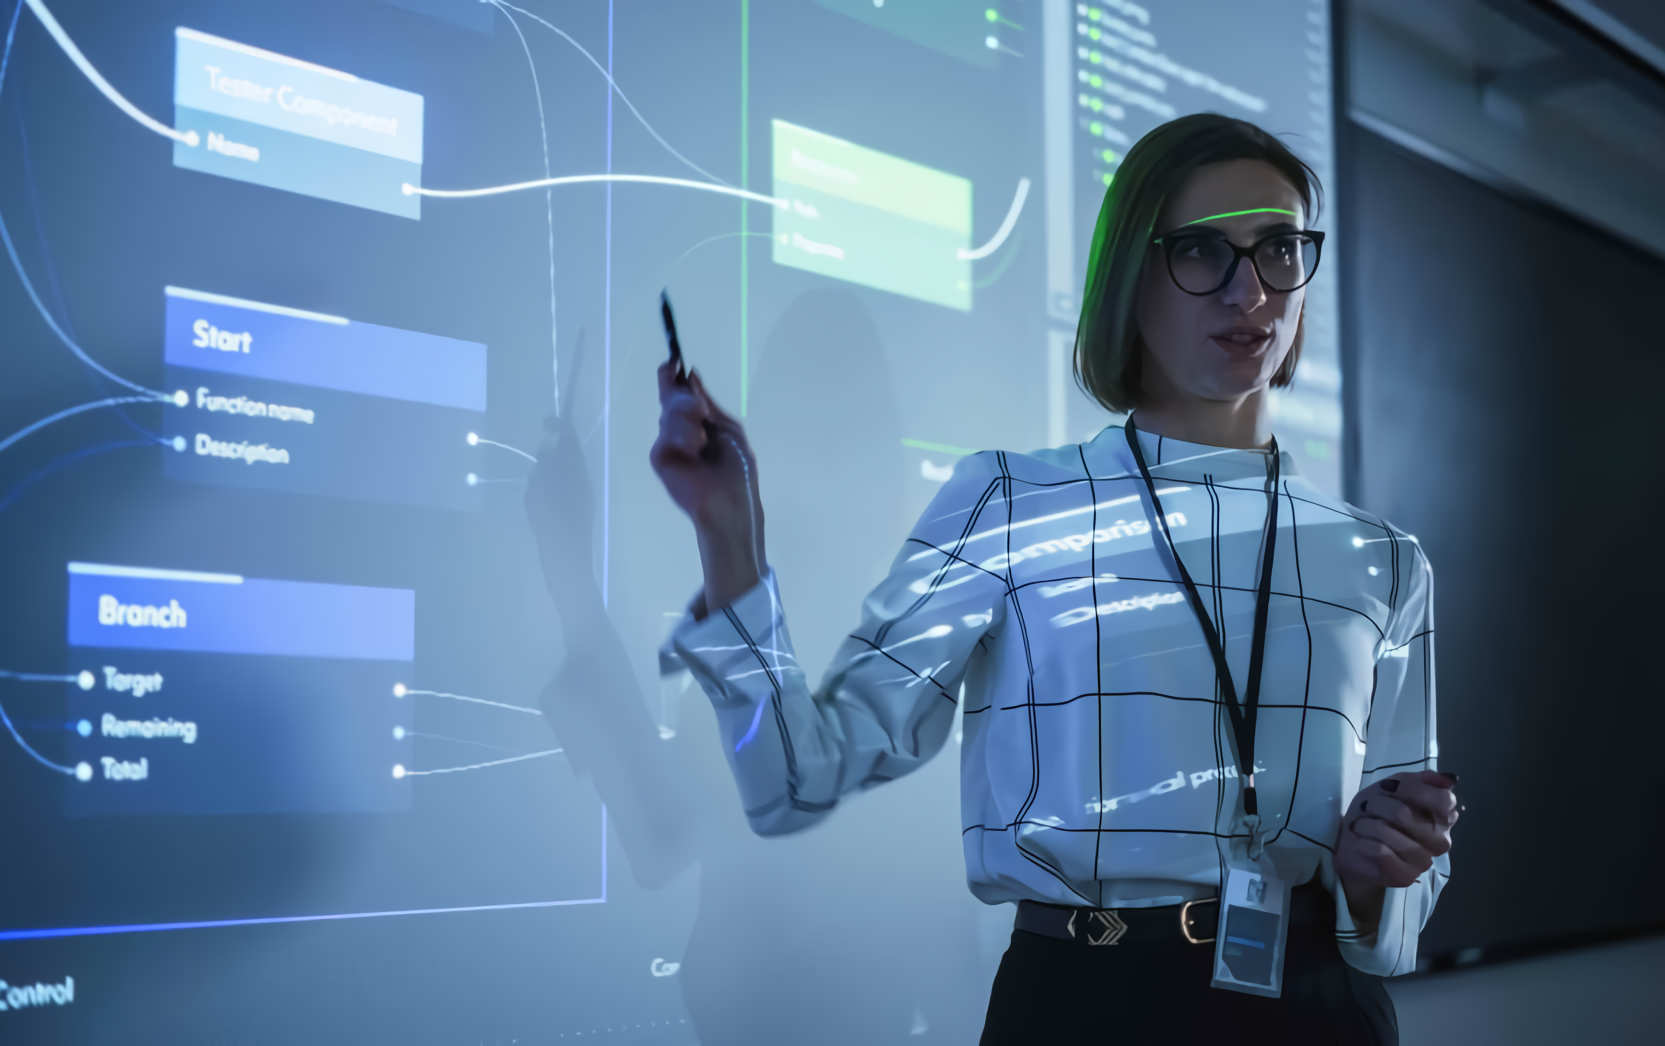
(1447, 773)
(1354, 827)
(1363, 806)
(1390, 786)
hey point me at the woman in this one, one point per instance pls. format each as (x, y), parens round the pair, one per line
(1179, 661)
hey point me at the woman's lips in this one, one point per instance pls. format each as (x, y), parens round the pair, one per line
(1241, 343)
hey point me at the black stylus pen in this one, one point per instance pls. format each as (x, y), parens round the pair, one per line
(711, 450)
(671, 340)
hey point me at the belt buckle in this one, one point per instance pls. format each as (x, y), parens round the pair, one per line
(1185, 920)
(1104, 926)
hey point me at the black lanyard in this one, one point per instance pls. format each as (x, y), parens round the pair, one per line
(1244, 715)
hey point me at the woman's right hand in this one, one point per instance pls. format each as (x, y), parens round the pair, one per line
(708, 468)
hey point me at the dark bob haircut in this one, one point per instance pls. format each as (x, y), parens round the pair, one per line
(1108, 349)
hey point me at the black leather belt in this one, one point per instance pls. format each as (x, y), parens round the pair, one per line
(1193, 921)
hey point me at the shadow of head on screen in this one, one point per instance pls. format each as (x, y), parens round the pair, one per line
(860, 929)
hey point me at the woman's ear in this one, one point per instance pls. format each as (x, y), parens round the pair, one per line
(1286, 372)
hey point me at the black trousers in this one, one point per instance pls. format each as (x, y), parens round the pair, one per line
(1060, 992)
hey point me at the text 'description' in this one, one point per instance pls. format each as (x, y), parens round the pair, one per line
(278, 121)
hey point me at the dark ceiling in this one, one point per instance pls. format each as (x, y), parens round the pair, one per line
(1644, 17)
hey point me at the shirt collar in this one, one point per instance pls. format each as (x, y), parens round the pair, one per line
(1178, 458)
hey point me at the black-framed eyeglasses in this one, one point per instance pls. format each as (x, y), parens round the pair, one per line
(1202, 261)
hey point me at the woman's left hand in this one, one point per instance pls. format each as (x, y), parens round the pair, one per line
(1390, 836)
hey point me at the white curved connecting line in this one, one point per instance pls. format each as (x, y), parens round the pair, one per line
(70, 412)
(548, 209)
(69, 343)
(98, 81)
(1005, 229)
(580, 179)
(506, 7)
(36, 677)
(41, 759)
(480, 766)
(489, 442)
(473, 700)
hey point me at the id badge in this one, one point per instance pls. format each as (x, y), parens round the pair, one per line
(1254, 925)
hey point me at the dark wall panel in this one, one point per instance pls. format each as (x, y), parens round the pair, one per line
(1507, 369)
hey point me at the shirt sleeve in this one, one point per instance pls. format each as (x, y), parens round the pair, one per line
(887, 701)
(1400, 737)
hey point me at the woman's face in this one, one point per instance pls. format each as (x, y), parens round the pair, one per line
(1224, 345)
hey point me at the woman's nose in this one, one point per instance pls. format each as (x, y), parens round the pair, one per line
(1243, 290)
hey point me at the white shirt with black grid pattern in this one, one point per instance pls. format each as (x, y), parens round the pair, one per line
(1096, 762)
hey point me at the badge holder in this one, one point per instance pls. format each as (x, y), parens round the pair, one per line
(1254, 899)
(1254, 928)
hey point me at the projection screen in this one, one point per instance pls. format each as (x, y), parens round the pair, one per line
(294, 296)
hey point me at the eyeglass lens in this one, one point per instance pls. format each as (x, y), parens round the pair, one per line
(1200, 263)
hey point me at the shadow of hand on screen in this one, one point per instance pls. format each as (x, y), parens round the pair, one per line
(853, 932)
(594, 702)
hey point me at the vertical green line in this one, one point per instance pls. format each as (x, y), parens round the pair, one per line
(745, 183)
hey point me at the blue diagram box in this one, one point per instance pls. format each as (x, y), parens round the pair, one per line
(218, 694)
(284, 399)
(273, 120)
(330, 352)
(145, 609)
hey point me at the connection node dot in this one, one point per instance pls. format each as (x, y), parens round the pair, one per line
(399, 690)
(179, 444)
(181, 398)
(472, 479)
(398, 771)
(83, 772)
(85, 680)
(992, 15)
(407, 188)
(1358, 542)
(192, 139)
(398, 733)
(473, 439)
(84, 728)
(992, 42)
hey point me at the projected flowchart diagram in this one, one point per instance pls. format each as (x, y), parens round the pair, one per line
(197, 701)
(860, 215)
(287, 399)
(268, 750)
(203, 693)
(281, 122)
